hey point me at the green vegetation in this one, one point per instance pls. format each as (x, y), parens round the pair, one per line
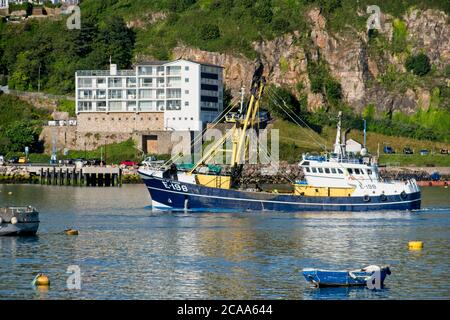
(323, 82)
(113, 153)
(47, 51)
(66, 105)
(432, 160)
(20, 125)
(419, 64)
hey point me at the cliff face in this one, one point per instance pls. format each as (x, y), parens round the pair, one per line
(349, 58)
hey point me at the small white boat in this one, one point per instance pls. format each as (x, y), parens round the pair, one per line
(18, 221)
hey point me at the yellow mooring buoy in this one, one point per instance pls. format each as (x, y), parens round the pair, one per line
(71, 232)
(415, 245)
(41, 280)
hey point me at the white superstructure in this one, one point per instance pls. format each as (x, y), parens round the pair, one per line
(342, 169)
(185, 92)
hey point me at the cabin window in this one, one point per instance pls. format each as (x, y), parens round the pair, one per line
(339, 170)
(307, 169)
(350, 170)
(314, 170)
(320, 170)
(333, 170)
(369, 172)
(357, 171)
(327, 170)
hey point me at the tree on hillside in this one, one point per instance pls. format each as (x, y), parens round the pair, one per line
(419, 64)
(21, 135)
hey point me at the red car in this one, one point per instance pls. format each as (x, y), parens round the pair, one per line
(128, 163)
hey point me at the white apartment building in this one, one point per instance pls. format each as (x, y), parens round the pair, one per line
(182, 95)
(4, 4)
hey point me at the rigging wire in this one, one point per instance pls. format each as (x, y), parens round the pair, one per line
(286, 110)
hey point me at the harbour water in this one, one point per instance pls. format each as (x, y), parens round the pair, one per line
(127, 251)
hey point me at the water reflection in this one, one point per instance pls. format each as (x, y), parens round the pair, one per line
(127, 251)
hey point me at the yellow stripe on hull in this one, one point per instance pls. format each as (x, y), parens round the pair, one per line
(222, 182)
(322, 191)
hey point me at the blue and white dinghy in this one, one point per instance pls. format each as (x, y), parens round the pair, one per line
(334, 278)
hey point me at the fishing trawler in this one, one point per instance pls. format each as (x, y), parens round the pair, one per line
(336, 181)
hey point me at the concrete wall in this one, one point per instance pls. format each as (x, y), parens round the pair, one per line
(163, 142)
(119, 122)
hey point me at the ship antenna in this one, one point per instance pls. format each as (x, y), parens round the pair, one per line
(242, 99)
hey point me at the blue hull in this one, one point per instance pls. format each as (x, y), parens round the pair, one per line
(329, 278)
(179, 195)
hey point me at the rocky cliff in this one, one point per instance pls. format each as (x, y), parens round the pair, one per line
(351, 60)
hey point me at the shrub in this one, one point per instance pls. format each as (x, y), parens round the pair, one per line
(419, 64)
(209, 31)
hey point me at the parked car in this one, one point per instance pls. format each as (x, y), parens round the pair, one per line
(128, 163)
(79, 162)
(22, 160)
(388, 150)
(13, 159)
(68, 161)
(424, 152)
(407, 150)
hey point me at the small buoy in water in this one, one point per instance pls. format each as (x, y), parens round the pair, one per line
(10, 193)
(41, 280)
(415, 245)
(71, 232)
(14, 220)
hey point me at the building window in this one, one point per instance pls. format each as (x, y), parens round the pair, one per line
(101, 106)
(145, 70)
(85, 82)
(146, 93)
(320, 170)
(186, 68)
(340, 171)
(307, 169)
(101, 81)
(357, 171)
(146, 82)
(115, 94)
(186, 80)
(131, 82)
(192, 118)
(173, 70)
(186, 103)
(314, 170)
(115, 106)
(84, 94)
(369, 172)
(147, 105)
(84, 106)
(131, 106)
(173, 93)
(350, 170)
(333, 170)
(327, 170)
(173, 105)
(100, 94)
(115, 82)
(186, 91)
